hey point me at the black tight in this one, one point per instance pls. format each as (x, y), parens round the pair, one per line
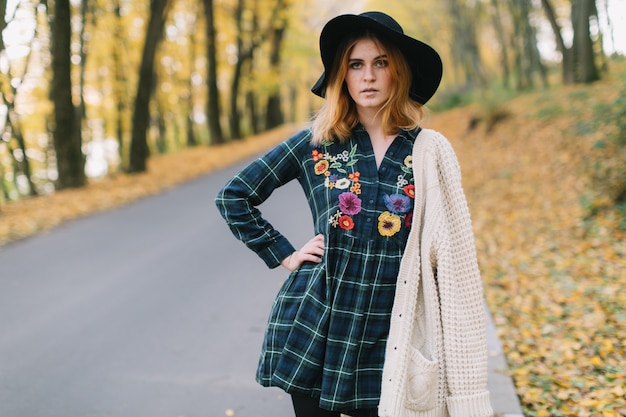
(309, 407)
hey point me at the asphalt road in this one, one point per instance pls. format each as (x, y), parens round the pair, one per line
(151, 310)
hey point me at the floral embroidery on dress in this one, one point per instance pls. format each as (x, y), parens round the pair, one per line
(342, 177)
(339, 173)
(398, 204)
(388, 224)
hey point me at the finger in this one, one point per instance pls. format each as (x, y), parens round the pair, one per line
(316, 250)
(318, 241)
(306, 257)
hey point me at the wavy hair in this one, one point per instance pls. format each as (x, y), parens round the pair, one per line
(338, 116)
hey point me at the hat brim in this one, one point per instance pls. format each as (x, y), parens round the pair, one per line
(424, 62)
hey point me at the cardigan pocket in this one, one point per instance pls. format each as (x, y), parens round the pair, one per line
(422, 382)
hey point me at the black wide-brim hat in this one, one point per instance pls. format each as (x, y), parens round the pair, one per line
(423, 60)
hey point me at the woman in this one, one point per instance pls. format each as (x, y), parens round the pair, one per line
(382, 313)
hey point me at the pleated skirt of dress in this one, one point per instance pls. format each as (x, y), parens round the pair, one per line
(329, 323)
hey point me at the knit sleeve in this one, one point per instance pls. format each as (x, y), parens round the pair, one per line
(461, 297)
(237, 202)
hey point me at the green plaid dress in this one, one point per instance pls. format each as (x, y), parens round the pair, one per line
(329, 323)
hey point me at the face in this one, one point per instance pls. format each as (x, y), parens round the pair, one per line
(368, 78)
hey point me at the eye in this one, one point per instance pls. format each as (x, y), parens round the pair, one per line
(356, 65)
(382, 63)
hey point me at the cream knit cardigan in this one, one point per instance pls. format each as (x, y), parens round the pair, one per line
(436, 356)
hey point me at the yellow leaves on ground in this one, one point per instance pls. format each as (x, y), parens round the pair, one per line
(554, 282)
(26, 217)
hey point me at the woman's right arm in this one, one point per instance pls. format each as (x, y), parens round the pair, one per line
(237, 202)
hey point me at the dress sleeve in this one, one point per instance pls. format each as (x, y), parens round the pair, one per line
(461, 298)
(237, 202)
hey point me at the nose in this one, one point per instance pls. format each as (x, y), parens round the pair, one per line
(369, 74)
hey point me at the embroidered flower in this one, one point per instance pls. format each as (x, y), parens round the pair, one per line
(342, 184)
(410, 190)
(408, 220)
(349, 203)
(334, 219)
(408, 161)
(401, 181)
(346, 223)
(321, 167)
(354, 176)
(397, 203)
(388, 224)
(316, 155)
(356, 187)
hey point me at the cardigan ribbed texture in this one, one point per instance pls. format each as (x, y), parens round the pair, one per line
(436, 354)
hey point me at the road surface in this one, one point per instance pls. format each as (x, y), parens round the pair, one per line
(150, 310)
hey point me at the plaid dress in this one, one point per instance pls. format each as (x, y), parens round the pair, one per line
(328, 326)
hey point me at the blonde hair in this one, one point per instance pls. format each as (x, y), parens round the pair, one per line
(338, 116)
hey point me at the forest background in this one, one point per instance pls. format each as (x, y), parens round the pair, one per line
(99, 93)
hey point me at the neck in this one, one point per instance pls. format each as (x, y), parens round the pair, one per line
(379, 138)
(372, 122)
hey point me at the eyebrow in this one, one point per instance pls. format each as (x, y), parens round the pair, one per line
(361, 59)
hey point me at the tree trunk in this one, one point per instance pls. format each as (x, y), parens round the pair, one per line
(120, 88)
(159, 121)
(213, 102)
(66, 136)
(500, 33)
(584, 56)
(14, 126)
(568, 70)
(139, 150)
(3, 22)
(252, 112)
(242, 56)
(190, 120)
(465, 43)
(274, 115)
(526, 54)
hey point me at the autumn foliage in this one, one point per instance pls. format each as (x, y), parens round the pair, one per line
(542, 174)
